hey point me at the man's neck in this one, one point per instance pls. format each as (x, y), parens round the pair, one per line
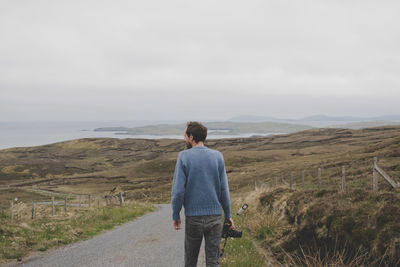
(198, 144)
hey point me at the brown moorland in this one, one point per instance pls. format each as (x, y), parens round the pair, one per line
(307, 215)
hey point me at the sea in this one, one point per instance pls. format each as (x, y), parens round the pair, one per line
(28, 134)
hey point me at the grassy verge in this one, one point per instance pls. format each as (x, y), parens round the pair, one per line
(324, 228)
(20, 238)
(241, 252)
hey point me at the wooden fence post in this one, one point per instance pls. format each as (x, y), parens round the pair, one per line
(302, 177)
(65, 204)
(121, 199)
(12, 211)
(80, 200)
(291, 182)
(375, 176)
(89, 200)
(255, 184)
(52, 206)
(33, 209)
(343, 179)
(319, 178)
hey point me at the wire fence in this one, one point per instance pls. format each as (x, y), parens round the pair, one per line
(339, 178)
(57, 205)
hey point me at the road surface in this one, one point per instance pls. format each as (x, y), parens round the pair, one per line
(147, 241)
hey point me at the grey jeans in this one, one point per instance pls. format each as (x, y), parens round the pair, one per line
(209, 226)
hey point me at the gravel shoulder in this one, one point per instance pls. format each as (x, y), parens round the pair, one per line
(147, 241)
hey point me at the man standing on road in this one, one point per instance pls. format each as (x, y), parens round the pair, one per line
(201, 186)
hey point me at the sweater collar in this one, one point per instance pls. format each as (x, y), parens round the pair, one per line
(199, 147)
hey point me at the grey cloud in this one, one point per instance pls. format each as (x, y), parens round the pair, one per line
(58, 52)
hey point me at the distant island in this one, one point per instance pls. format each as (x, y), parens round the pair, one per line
(323, 121)
(214, 128)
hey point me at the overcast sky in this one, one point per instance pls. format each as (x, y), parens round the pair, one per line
(130, 60)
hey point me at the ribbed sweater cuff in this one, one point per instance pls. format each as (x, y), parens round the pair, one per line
(175, 216)
(228, 214)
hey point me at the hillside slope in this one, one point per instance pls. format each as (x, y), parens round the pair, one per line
(312, 218)
(95, 164)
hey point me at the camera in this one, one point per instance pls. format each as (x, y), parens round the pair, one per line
(226, 232)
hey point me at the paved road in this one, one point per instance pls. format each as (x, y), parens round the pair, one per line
(147, 241)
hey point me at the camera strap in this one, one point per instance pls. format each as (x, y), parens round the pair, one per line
(223, 248)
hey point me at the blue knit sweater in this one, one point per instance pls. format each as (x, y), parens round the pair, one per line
(200, 183)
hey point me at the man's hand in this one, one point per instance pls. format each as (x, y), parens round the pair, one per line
(177, 224)
(230, 221)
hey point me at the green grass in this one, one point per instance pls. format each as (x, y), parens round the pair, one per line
(241, 252)
(18, 239)
(265, 231)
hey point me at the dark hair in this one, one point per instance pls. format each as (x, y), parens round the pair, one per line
(197, 130)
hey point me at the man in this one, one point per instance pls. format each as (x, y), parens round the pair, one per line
(201, 186)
